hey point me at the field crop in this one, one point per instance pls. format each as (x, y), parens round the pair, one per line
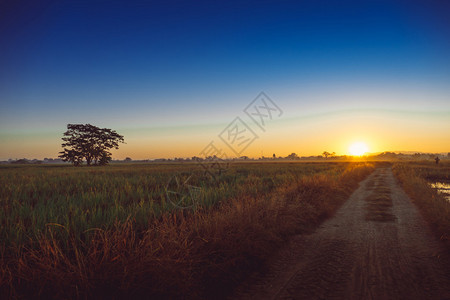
(114, 231)
(79, 199)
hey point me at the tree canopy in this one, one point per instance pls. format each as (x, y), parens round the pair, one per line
(292, 156)
(327, 154)
(90, 143)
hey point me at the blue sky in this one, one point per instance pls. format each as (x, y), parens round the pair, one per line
(142, 67)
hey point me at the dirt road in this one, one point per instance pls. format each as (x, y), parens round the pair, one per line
(377, 246)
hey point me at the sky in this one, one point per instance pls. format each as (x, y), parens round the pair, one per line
(173, 76)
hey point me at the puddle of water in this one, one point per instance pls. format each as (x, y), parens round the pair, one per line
(443, 188)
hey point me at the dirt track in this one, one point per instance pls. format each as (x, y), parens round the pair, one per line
(377, 246)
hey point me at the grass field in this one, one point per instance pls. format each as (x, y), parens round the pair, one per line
(415, 178)
(116, 232)
(78, 199)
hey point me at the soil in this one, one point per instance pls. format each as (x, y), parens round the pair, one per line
(377, 246)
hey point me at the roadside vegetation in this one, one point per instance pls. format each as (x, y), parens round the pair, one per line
(115, 232)
(415, 178)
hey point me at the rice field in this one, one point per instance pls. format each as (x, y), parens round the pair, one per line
(82, 199)
(77, 232)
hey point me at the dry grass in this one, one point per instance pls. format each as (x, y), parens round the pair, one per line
(433, 206)
(379, 202)
(379, 208)
(179, 255)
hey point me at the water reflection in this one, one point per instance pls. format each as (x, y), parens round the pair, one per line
(443, 188)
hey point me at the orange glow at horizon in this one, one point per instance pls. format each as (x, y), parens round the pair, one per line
(380, 132)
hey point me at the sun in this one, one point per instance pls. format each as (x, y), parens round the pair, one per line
(358, 149)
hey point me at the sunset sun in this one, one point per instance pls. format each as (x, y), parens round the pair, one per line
(358, 149)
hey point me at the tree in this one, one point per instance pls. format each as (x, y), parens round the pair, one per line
(292, 156)
(327, 154)
(90, 143)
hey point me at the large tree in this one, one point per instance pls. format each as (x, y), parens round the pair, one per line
(90, 143)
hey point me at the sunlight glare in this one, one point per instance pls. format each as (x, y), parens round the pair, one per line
(358, 149)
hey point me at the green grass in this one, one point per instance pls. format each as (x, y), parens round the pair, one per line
(32, 198)
(110, 232)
